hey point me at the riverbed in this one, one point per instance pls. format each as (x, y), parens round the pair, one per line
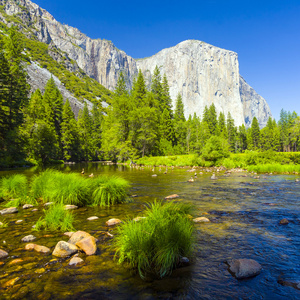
(244, 214)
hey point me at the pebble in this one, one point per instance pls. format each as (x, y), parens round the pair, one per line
(48, 203)
(26, 206)
(92, 218)
(35, 209)
(75, 261)
(28, 238)
(19, 221)
(70, 207)
(3, 254)
(174, 196)
(201, 220)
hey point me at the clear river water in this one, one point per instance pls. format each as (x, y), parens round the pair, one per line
(244, 213)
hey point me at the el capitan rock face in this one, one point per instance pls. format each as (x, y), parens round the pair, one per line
(202, 73)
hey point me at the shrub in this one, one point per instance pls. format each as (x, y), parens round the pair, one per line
(109, 190)
(154, 245)
(56, 217)
(215, 149)
(14, 186)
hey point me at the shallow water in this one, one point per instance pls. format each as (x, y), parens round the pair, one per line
(243, 225)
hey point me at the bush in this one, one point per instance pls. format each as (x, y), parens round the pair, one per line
(154, 245)
(56, 217)
(14, 186)
(215, 149)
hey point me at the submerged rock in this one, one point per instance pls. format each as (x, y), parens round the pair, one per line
(16, 261)
(75, 261)
(213, 177)
(113, 222)
(201, 220)
(3, 254)
(244, 268)
(78, 236)
(87, 245)
(295, 285)
(11, 282)
(28, 238)
(19, 221)
(284, 222)
(37, 248)
(70, 207)
(26, 206)
(64, 249)
(92, 218)
(10, 210)
(174, 196)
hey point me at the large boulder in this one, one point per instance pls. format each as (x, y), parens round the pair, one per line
(3, 254)
(244, 268)
(10, 210)
(77, 236)
(87, 245)
(64, 249)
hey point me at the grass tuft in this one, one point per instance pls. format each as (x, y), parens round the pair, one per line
(56, 218)
(154, 245)
(14, 186)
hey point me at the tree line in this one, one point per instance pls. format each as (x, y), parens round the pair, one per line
(140, 122)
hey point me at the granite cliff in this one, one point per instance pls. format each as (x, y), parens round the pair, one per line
(202, 73)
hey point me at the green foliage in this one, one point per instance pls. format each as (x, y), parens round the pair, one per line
(274, 168)
(176, 160)
(109, 191)
(155, 244)
(215, 149)
(56, 218)
(15, 186)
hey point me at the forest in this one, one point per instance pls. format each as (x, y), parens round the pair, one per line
(40, 128)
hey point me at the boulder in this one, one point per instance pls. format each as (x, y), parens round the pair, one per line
(69, 234)
(87, 245)
(28, 238)
(244, 268)
(92, 218)
(284, 222)
(6, 211)
(113, 222)
(174, 196)
(70, 207)
(26, 206)
(201, 220)
(3, 254)
(64, 249)
(75, 261)
(78, 236)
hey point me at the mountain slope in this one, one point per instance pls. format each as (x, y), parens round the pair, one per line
(202, 73)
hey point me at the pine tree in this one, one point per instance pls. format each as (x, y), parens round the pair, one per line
(96, 132)
(69, 134)
(213, 120)
(232, 133)
(222, 126)
(255, 133)
(121, 85)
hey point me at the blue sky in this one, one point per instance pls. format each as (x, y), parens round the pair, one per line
(265, 34)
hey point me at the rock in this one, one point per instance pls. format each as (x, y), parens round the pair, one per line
(16, 261)
(113, 222)
(92, 218)
(284, 222)
(137, 219)
(64, 249)
(174, 196)
(244, 268)
(70, 207)
(26, 206)
(37, 248)
(201, 220)
(11, 282)
(77, 236)
(184, 260)
(28, 238)
(19, 221)
(6, 211)
(40, 271)
(295, 285)
(87, 245)
(48, 203)
(3, 254)
(154, 175)
(213, 177)
(75, 261)
(69, 234)
(35, 209)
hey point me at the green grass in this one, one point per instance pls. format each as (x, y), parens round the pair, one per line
(176, 160)
(15, 186)
(154, 245)
(56, 218)
(274, 168)
(109, 190)
(72, 188)
(4, 224)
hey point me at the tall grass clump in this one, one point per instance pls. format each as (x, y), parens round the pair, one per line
(59, 187)
(155, 244)
(274, 168)
(56, 218)
(14, 186)
(108, 191)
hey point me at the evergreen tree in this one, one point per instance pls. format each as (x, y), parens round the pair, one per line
(255, 133)
(121, 85)
(96, 132)
(232, 133)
